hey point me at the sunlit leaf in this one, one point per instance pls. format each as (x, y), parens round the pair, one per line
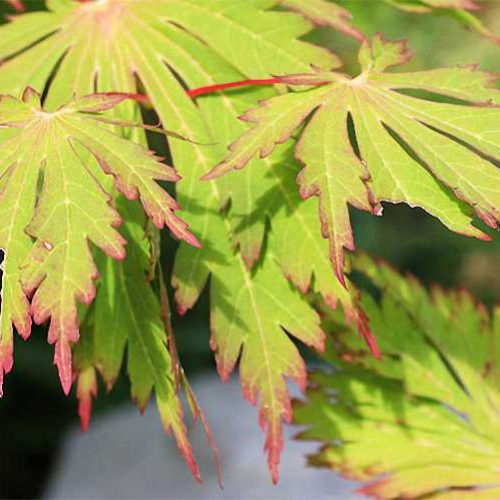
(407, 148)
(46, 232)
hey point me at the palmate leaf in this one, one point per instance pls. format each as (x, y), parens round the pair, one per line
(406, 149)
(71, 210)
(425, 422)
(166, 46)
(39, 40)
(250, 328)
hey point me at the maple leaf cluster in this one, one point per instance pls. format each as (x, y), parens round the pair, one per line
(82, 254)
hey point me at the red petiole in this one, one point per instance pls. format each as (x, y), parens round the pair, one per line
(210, 89)
(219, 87)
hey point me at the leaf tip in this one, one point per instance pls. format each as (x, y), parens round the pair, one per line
(62, 359)
(211, 175)
(86, 391)
(192, 240)
(366, 333)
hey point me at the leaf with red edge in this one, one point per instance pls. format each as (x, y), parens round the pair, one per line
(250, 318)
(301, 251)
(127, 317)
(406, 149)
(71, 210)
(231, 280)
(424, 423)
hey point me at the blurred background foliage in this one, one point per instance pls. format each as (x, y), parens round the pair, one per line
(34, 414)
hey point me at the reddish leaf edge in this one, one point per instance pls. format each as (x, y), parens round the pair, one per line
(361, 321)
(65, 375)
(181, 380)
(87, 391)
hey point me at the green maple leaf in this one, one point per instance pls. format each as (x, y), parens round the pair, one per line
(424, 423)
(251, 330)
(302, 252)
(427, 154)
(45, 232)
(144, 28)
(250, 317)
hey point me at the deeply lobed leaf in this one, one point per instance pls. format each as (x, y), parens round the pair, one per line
(438, 156)
(127, 315)
(425, 421)
(163, 46)
(46, 232)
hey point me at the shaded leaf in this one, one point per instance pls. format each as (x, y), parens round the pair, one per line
(425, 421)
